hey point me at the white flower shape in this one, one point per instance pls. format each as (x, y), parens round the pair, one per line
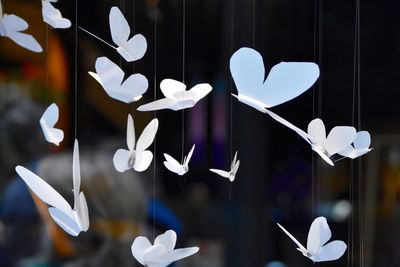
(111, 77)
(11, 26)
(176, 96)
(174, 166)
(359, 147)
(231, 175)
(53, 16)
(47, 122)
(162, 253)
(284, 82)
(318, 249)
(137, 156)
(72, 221)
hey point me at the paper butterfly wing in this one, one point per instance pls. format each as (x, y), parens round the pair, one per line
(153, 254)
(131, 89)
(130, 133)
(170, 87)
(143, 160)
(147, 136)
(139, 245)
(220, 172)
(14, 23)
(339, 138)
(53, 16)
(299, 245)
(236, 167)
(288, 80)
(66, 222)
(167, 239)
(175, 255)
(172, 164)
(121, 159)
(331, 251)
(83, 212)
(26, 41)
(201, 90)
(363, 140)
(76, 175)
(318, 235)
(119, 27)
(134, 49)
(109, 73)
(316, 128)
(189, 156)
(51, 115)
(163, 103)
(43, 190)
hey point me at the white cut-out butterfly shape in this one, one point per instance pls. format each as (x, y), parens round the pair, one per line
(174, 166)
(318, 249)
(130, 49)
(111, 78)
(11, 26)
(232, 173)
(176, 96)
(162, 253)
(359, 147)
(284, 82)
(53, 16)
(73, 221)
(136, 157)
(47, 122)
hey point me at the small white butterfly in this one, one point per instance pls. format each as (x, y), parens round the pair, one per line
(53, 16)
(359, 147)
(73, 221)
(174, 166)
(338, 139)
(176, 96)
(111, 77)
(130, 49)
(232, 173)
(47, 122)
(137, 157)
(162, 253)
(11, 27)
(318, 249)
(285, 81)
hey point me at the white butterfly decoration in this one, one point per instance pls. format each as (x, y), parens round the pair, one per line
(318, 249)
(47, 122)
(11, 26)
(110, 76)
(285, 81)
(162, 253)
(137, 157)
(359, 147)
(174, 166)
(232, 173)
(53, 16)
(338, 139)
(176, 96)
(73, 221)
(130, 49)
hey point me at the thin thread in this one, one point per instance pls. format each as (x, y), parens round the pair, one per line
(155, 116)
(133, 32)
(95, 36)
(231, 100)
(76, 70)
(183, 72)
(254, 23)
(47, 64)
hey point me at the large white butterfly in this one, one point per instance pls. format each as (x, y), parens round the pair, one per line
(111, 77)
(162, 253)
(11, 26)
(73, 221)
(318, 249)
(136, 157)
(176, 96)
(130, 49)
(285, 81)
(359, 147)
(232, 173)
(53, 16)
(338, 139)
(47, 122)
(174, 166)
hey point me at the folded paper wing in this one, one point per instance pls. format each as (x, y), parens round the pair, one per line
(47, 122)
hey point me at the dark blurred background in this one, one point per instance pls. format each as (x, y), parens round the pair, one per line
(279, 180)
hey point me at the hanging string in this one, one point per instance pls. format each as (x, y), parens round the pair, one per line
(47, 64)
(254, 24)
(155, 116)
(183, 72)
(133, 33)
(76, 72)
(231, 100)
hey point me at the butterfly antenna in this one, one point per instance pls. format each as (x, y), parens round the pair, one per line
(95, 36)
(339, 159)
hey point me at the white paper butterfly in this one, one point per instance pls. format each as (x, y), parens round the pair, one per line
(232, 173)
(162, 253)
(318, 249)
(73, 221)
(359, 147)
(53, 16)
(111, 77)
(176, 96)
(137, 157)
(174, 166)
(285, 81)
(338, 139)
(130, 49)
(47, 122)
(11, 26)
